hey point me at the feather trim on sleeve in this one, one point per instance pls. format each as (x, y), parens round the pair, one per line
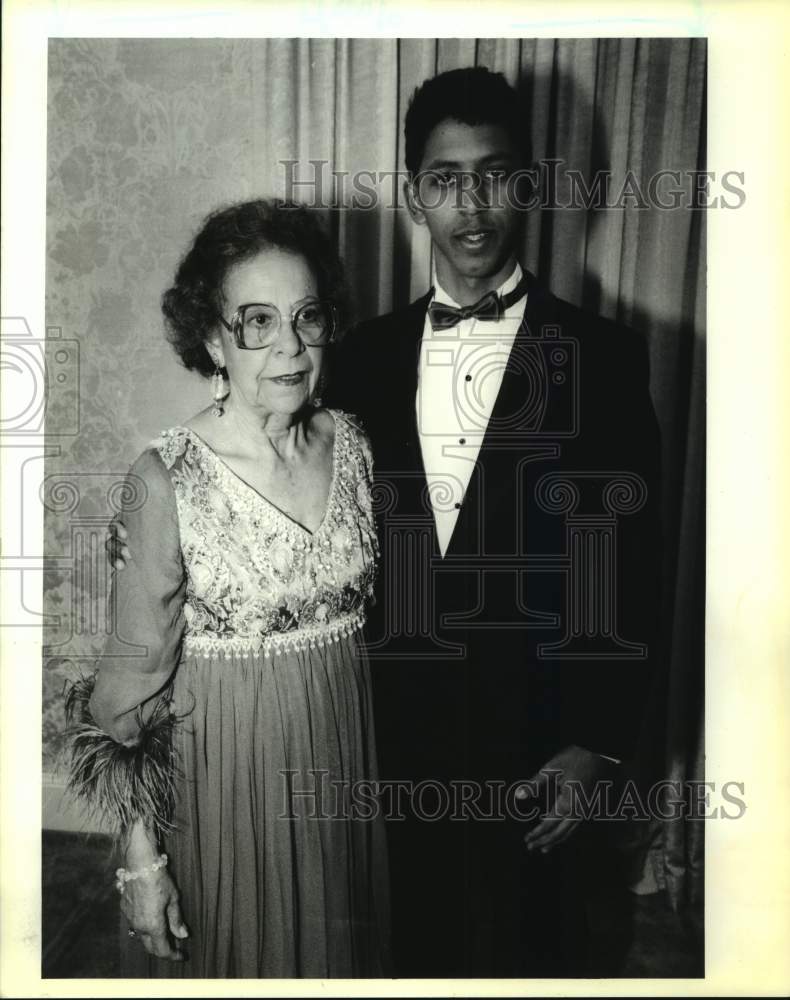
(124, 783)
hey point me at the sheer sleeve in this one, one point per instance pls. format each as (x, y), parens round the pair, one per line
(148, 598)
(119, 744)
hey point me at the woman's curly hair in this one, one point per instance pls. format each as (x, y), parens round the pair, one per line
(227, 237)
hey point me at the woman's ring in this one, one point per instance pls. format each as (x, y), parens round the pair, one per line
(131, 933)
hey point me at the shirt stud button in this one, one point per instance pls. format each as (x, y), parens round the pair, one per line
(458, 506)
(467, 378)
(461, 440)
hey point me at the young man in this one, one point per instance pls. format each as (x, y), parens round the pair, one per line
(517, 596)
(515, 454)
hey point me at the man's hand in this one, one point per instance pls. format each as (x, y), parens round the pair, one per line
(572, 764)
(115, 546)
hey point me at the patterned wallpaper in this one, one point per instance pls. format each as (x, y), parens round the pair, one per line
(145, 136)
(141, 143)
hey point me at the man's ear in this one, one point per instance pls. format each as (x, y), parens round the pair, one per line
(412, 204)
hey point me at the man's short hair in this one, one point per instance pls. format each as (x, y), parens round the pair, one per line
(472, 96)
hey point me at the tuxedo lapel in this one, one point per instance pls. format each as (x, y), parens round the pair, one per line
(515, 414)
(411, 342)
(391, 415)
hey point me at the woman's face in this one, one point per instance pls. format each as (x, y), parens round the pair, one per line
(280, 378)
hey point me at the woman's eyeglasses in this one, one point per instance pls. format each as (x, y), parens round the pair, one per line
(257, 324)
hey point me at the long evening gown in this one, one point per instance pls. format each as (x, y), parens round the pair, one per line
(254, 621)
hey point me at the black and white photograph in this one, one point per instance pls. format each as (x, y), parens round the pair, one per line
(369, 432)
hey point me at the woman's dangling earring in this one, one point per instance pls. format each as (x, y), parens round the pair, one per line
(218, 393)
(319, 388)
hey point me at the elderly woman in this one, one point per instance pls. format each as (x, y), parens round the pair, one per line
(228, 728)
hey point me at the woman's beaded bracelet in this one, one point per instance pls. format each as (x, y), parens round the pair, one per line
(122, 876)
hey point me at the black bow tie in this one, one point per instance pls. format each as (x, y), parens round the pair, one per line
(491, 307)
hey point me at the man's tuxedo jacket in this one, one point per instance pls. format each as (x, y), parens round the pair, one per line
(536, 630)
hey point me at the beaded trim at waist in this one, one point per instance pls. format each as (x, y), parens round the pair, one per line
(293, 640)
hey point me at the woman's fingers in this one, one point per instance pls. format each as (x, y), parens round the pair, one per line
(175, 921)
(158, 945)
(151, 907)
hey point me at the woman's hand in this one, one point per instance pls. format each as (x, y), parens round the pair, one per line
(150, 902)
(151, 906)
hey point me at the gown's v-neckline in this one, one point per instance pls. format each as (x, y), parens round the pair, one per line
(238, 480)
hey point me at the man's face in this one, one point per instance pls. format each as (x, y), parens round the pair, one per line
(461, 195)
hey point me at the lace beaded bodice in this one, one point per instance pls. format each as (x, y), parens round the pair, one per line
(257, 581)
